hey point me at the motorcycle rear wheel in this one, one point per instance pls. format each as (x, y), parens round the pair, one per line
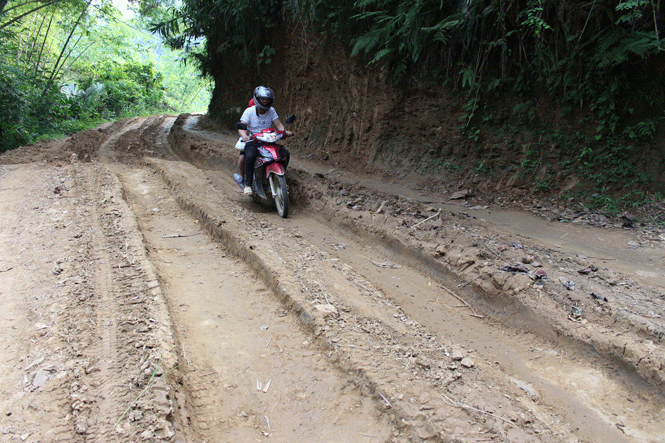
(281, 195)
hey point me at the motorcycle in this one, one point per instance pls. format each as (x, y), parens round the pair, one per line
(270, 168)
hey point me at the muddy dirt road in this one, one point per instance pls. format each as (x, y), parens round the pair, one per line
(147, 300)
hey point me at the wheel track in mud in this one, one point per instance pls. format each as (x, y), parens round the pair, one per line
(122, 362)
(87, 289)
(217, 316)
(363, 325)
(113, 287)
(187, 202)
(378, 376)
(108, 358)
(378, 364)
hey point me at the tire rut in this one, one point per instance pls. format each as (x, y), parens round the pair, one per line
(162, 305)
(568, 392)
(248, 371)
(94, 330)
(133, 331)
(393, 358)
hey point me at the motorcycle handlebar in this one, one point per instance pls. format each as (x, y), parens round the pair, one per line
(282, 133)
(290, 119)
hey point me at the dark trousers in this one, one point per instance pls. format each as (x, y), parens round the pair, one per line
(251, 152)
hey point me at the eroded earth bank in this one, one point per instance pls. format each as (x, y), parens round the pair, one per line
(146, 299)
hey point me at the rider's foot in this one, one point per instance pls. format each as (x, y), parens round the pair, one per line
(248, 190)
(239, 180)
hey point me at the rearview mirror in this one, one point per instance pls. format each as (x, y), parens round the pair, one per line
(290, 119)
(241, 125)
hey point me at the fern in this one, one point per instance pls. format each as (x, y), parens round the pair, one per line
(366, 43)
(442, 31)
(614, 50)
(380, 55)
(632, 10)
(399, 32)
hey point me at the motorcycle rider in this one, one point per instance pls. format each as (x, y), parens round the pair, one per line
(257, 118)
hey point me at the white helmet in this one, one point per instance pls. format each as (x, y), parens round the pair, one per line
(265, 93)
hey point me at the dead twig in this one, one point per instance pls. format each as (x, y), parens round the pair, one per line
(177, 235)
(385, 264)
(498, 254)
(475, 314)
(386, 400)
(426, 220)
(381, 207)
(457, 404)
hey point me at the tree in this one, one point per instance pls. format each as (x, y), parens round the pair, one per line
(61, 72)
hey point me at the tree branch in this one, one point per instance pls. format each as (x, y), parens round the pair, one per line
(4, 25)
(64, 47)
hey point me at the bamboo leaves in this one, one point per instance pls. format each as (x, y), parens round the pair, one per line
(400, 32)
(24, 14)
(57, 66)
(64, 69)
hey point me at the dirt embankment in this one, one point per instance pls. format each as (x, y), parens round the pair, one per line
(563, 290)
(165, 306)
(499, 269)
(514, 149)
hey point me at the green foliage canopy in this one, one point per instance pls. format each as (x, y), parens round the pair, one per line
(67, 65)
(602, 53)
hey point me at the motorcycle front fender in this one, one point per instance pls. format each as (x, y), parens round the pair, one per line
(275, 168)
(273, 182)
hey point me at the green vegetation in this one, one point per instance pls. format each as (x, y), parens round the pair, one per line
(603, 56)
(598, 64)
(68, 65)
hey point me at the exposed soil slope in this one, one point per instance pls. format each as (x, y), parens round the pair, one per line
(514, 148)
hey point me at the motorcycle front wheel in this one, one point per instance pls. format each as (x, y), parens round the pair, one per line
(280, 194)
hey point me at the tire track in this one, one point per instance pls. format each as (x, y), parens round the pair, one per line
(569, 390)
(391, 357)
(127, 337)
(249, 371)
(106, 315)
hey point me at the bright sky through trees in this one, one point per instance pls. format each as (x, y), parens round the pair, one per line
(123, 7)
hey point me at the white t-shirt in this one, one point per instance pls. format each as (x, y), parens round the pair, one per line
(257, 123)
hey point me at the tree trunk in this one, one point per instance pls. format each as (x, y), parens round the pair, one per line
(56, 67)
(504, 47)
(41, 50)
(62, 65)
(34, 40)
(16, 19)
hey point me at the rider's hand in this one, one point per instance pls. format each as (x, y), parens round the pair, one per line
(288, 133)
